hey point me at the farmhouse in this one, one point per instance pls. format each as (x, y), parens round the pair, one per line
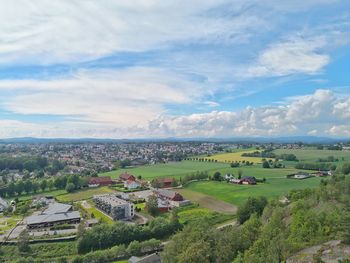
(166, 182)
(56, 213)
(115, 207)
(171, 198)
(132, 184)
(100, 181)
(248, 180)
(126, 177)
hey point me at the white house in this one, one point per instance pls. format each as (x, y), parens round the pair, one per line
(131, 184)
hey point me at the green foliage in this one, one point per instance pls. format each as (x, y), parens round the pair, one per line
(105, 236)
(252, 206)
(346, 168)
(152, 205)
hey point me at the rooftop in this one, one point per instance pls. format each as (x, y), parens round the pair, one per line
(111, 199)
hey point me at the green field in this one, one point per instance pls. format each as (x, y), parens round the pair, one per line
(173, 169)
(84, 194)
(238, 194)
(235, 156)
(311, 155)
(192, 214)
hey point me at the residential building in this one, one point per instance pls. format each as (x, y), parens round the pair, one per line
(126, 177)
(100, 181)
(115, 207)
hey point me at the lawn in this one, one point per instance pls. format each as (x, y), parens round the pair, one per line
(235, 156)
(238, 194)
(84, 194)
(91, 209)
(172, 169)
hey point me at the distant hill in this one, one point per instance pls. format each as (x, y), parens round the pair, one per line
(291, 139)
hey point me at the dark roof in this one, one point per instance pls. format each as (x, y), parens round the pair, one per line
(125, 176)
(56, 208)
(165, 180)
(101, 179)
(51, 218)
(166, 193)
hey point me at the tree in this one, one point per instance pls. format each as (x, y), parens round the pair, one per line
(265, 164)
(240, 173)
(70, 187)
(152, 205)
(35, 187)
(23, 242)
(217, 176)
(11, 189)
(19, 187)
(28, 186)
(43, 185)
(251, 206)
(346, 168)
(51, 184)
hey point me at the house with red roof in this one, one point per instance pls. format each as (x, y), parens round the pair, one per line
(100, 181)
(127, 177)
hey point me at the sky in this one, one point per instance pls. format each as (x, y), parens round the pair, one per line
(158, 69)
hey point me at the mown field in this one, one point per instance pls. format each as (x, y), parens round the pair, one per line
(238, 194)
(235, 156)
(173, 169)
(311, 155)
(83, 194)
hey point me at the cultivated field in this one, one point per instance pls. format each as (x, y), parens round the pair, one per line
(208, 201)
(173, 169)
(235, 156)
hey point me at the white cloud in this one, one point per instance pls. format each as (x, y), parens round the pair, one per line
(123, 97)
(340, 130)
(65, 31)
(311, 114)
(295, 55)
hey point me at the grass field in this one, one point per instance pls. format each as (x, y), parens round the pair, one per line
(207, 201)
(83, 194)
(311, 155)
(235, 156)
(189, 215)
(173, 169)
(238, 194)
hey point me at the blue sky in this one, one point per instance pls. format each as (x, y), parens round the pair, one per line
(149, 68)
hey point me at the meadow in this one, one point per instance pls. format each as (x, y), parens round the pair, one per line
(237, 194)
(84, 194)
(171, 169)
(311, 155)
(235, 156)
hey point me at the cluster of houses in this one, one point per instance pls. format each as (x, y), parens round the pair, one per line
(304, 175)
(129, 181)
(250, 180)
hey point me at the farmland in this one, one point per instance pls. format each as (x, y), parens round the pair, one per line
(237, 194)
(311, 155)
(235, 156)
(171, 169)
